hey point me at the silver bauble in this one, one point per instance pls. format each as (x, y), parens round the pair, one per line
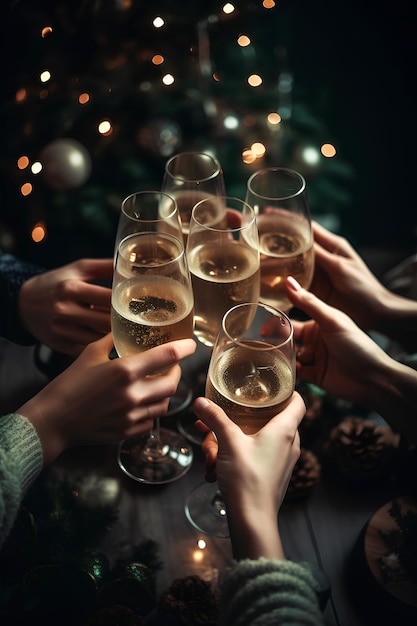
(66, 164)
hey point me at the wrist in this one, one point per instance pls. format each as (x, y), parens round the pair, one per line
(393, 394)
(51, 442)
(396, 318)
(254, 533)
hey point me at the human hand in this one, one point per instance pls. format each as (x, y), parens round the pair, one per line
(343, 280)
(62, 308)
(98, 400)
(334, 353)
(253, 472)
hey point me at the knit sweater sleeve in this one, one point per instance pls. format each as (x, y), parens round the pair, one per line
(21, 461)
(266, 591)
(13, 273)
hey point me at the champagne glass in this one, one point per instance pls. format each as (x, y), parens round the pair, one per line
(154, 211)
(223, 257)
(279, 199)
(152, 303)
(147, 210)
(190, 177)
(251, 376)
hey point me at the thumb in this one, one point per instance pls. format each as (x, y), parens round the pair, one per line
(105, 343)
(318, 310)
(212, 415)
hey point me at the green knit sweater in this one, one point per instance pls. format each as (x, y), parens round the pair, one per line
(21, 461)
(269, 592)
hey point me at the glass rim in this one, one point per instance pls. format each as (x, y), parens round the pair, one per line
(216, 163)
(291, 172)
(153, 235)
(154, 193)
(232, 229)
(265, 346)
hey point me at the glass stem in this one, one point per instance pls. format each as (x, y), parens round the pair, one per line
(155, 448)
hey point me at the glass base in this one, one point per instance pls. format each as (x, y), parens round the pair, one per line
(205, 510)
(138, 460)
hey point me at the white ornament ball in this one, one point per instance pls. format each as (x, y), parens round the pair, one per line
(66, 164)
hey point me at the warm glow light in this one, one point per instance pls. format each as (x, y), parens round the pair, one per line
(258, 149)
(243, 41)
(46, 31)
(197, 556)
(328, 150)
(254, 80)
(22, 162)
(38, 232)
(274, 118)
(105, 127)
(157, 59)
(168, 79)
(83, 98)
(158, 22)
(36, 167)
(45, 76)
(201, 544)
(268, 4)
(228, 8)
(248, 156)
(21, 95)
(26, 189)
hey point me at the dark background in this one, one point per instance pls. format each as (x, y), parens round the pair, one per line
(353, 70)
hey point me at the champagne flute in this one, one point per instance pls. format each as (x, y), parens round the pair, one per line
(152, 303)
(279, 199)
(190, 177)
(153, 211)
(223, 257)
(147, 210)
(251, 376)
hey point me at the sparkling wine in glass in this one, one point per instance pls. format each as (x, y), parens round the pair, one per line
(252, 377)
(154, 211)
(279, 199)
(223, 257)
(152, 304)
(190, 177)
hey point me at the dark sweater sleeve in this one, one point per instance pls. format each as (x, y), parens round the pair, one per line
(268, 591)
(13, 273)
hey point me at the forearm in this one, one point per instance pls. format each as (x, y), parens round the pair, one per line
(397, 319)
(254, 534)
(393, 394)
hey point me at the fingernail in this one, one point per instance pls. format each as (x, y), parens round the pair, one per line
(201, 402)
(294, 284)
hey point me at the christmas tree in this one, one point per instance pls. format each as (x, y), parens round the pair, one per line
(98, 94)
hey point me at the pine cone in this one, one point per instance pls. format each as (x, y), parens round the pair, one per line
(361, 450)
(305, 476)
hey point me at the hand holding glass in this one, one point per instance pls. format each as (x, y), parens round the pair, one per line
(251, 377)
